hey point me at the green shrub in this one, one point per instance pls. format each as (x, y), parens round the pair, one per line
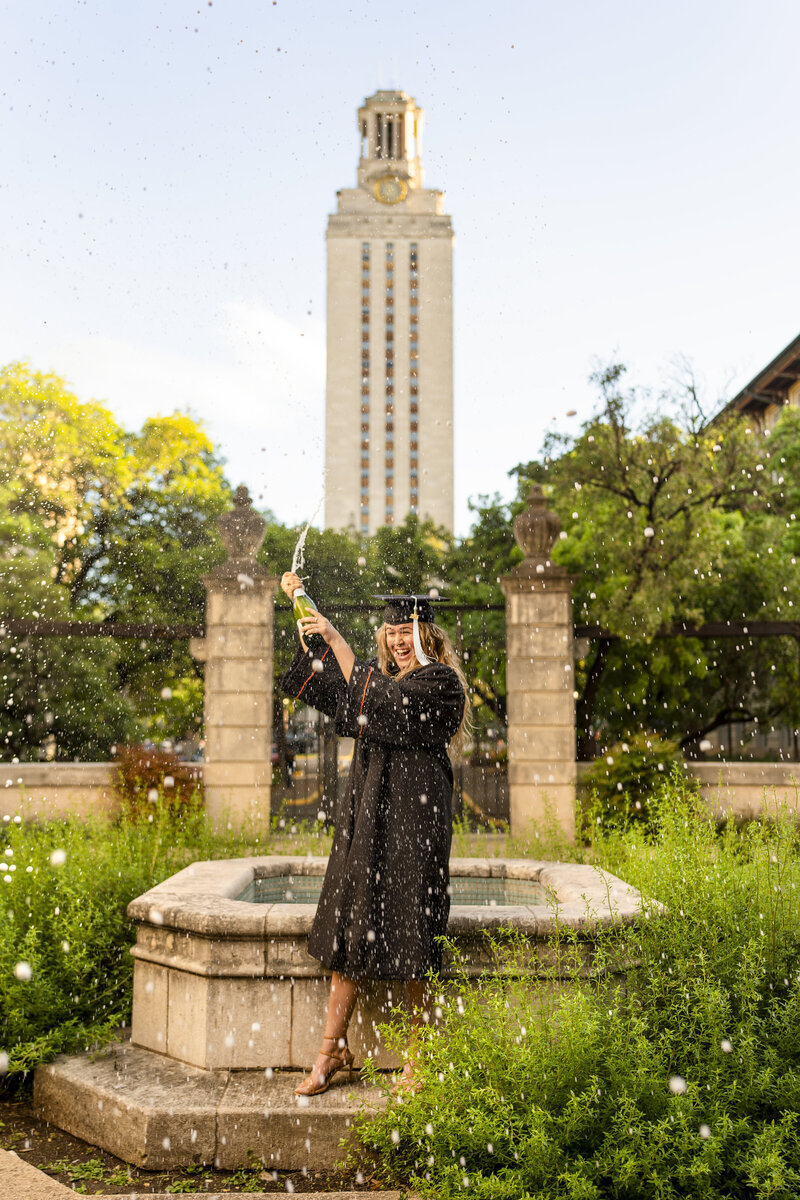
(621, 786)
(686, 1083)
(65, 966)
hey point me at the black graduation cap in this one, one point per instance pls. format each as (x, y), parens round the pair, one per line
(400, 610)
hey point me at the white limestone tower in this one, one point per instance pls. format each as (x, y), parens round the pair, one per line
(389, 394)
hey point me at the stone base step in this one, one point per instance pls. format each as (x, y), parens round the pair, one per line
(159, 1114)
(21, 1181)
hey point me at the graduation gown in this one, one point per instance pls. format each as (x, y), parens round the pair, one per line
(386, 894)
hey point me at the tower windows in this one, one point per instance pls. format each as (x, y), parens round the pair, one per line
(413, 374)
(388, 466)
(388, 135)
(365, 379)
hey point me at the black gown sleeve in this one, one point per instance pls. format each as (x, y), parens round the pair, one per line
(321, 689)
(422, 709)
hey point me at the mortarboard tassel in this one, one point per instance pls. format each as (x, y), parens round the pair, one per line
(422, 657)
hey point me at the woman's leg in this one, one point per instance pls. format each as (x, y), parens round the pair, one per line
(418, 994)
(341, 1002)
(419, 1004)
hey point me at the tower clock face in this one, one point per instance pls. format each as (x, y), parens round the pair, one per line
(390, 189)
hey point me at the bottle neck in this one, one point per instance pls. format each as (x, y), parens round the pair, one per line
(298, 592)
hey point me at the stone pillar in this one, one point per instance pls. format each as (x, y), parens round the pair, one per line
(238, 652)
(540, 676)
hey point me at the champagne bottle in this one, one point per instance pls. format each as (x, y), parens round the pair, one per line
(304, 606)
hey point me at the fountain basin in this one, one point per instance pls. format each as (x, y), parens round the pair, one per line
(225, 983)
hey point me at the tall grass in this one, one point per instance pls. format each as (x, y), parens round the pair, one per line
(684, 1082)
(65, 968)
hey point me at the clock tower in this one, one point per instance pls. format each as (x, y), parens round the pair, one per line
(389, 389)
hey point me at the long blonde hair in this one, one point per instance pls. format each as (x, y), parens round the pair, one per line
(438, 647)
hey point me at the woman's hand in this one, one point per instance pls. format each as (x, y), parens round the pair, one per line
(316, 623)
(290, 583)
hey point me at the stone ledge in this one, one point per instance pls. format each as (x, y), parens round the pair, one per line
(265, 1195)
(159, 1114)
(199, 899)
(19, 1180)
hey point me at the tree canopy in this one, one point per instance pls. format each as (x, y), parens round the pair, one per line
(669, 520)
(672, 520)
(100, 524)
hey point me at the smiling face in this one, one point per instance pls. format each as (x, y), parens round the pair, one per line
(400, 643)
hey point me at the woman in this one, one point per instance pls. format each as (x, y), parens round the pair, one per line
(385, 898)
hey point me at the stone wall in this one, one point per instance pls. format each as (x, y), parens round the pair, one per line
(741, 788)
(43, 790)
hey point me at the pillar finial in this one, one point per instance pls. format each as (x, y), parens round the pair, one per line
(241, 529)
(536, 527)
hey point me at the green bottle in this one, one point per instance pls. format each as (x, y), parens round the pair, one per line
(304, 606)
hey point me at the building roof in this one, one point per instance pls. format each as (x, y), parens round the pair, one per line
(770, 387)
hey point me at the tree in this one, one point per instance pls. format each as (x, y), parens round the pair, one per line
(103, 525)
(676, 521)
(474, 568)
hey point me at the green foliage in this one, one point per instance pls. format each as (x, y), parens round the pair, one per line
(680, 1080)
(94, 1169)
(63, 894)
(474, 568)
(625, 783)
(99, 524)
(670, 520)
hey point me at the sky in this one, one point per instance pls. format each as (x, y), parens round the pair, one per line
(622, 177)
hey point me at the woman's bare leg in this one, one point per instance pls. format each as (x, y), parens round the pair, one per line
(341, 1002)
(419, 1005)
